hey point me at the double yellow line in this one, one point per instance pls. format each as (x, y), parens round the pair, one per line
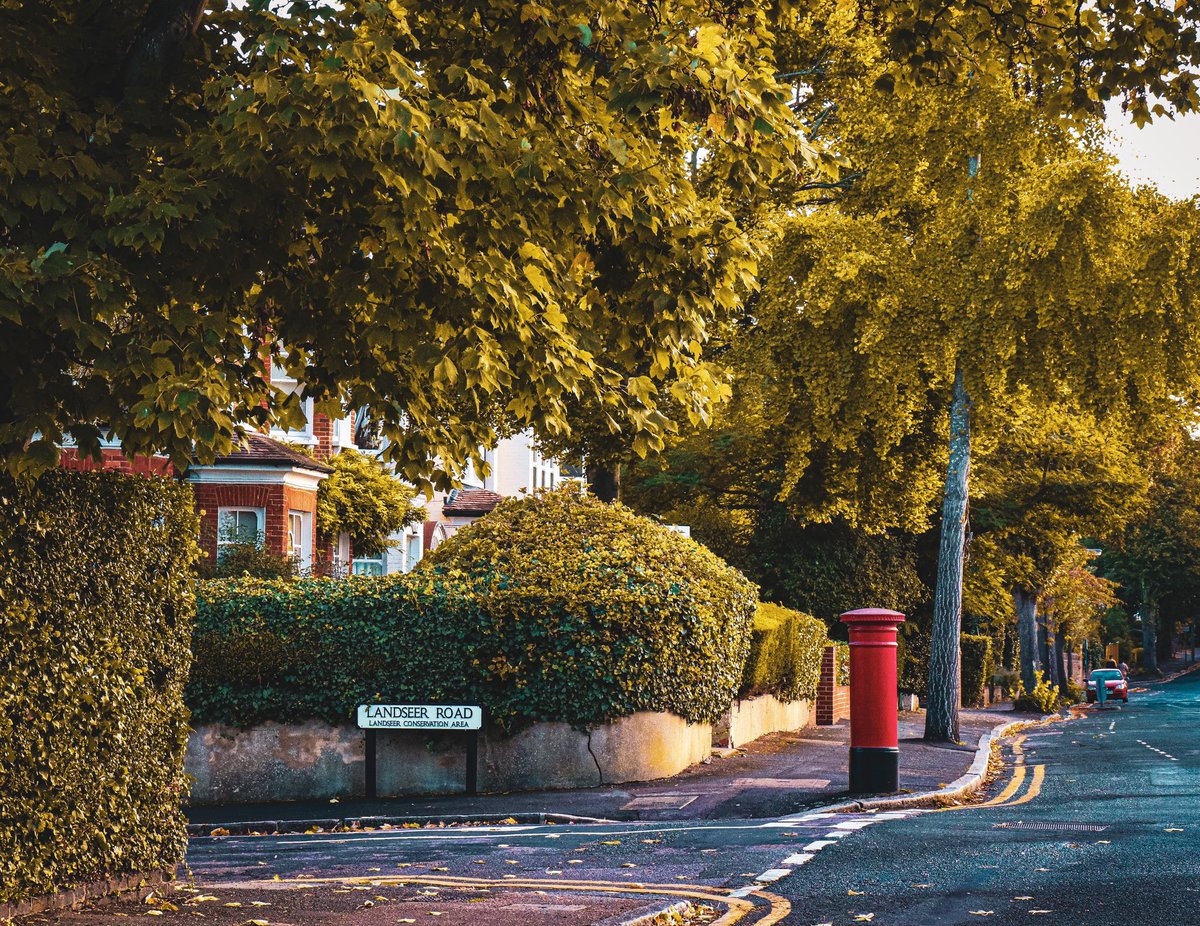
(736, 908)
(1008, 796)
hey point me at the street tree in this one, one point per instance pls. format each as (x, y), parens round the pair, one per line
(1047, 476)
(1156, 555)
(992, 249)
(363, 499)
(460, 219)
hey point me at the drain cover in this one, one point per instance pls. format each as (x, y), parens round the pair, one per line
(1071, 827)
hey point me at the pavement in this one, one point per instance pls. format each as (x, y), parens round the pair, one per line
(775, 775)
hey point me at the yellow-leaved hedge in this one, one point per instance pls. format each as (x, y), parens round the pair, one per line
(785, 654)
(96, 604)
(591, 612)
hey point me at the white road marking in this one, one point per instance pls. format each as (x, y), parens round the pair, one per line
(744, 891)
(1165, 755)
(854, 824)
(773, 874)
(798, 859)
(819, 845)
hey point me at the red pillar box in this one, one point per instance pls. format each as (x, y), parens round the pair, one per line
(874, 724)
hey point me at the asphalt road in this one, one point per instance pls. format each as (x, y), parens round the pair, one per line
(1111, 836)
(1091, 821)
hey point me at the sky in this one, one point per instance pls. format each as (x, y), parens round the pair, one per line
(1164, 153)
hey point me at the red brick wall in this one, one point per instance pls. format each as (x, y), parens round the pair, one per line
(277, 500)
(322, 429)
(114, 459)
(833, 700)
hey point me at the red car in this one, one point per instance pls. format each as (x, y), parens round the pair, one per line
(1113, 681)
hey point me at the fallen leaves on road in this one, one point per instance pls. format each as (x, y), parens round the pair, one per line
(1036, 912)
(864, 917)
(611, 842)
(854, 893)
(981, 912)
(628, 865)
(1022, 898)
(922, 885)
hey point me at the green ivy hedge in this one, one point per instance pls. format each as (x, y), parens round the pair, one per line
(785, 654)
(976, 668)
(553, 607)
(287, 651)
(96, 603)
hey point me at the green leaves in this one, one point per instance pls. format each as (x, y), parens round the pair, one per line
(362, 190)
(96, 604)
(785, 654)
(363, 499)
(554, 607)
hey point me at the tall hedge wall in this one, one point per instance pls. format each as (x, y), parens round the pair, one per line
(785, 654)
(976, 665)
(96, 604)
(554, 607)
(976, 668)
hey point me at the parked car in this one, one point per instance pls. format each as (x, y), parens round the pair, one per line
(1112, 680)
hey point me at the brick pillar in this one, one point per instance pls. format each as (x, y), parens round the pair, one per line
(827, 689)
(322, 428)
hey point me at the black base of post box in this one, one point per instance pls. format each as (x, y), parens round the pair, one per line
(874, 770)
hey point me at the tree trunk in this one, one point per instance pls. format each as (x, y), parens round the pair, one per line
(604, 482)
(944, 689)
(1050, 656)
(1025, 603)
(1060, 646)
(1149, 634)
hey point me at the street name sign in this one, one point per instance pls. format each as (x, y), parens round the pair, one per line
(420, 717)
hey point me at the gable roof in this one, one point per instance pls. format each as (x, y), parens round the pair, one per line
(471, 501)
(260, 450)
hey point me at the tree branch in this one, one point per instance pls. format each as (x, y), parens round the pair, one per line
(158, 46)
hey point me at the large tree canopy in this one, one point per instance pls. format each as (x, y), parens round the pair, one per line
(458, 217)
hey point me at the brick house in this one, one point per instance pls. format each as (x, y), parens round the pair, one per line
(263, 490)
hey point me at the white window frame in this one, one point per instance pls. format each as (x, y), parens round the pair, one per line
(304, 557)
(259, 513)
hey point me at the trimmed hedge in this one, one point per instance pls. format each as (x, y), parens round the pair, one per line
(785, 654)
(96, 599)
(314, 649)
(976, 667)
(554, 607)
